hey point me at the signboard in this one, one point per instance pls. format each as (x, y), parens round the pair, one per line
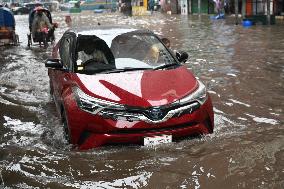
(140, 11)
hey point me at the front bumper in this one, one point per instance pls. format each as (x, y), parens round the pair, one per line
(88, 130)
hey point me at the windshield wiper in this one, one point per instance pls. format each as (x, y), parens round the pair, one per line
(123, 70)
(110, 70)
(166, 66)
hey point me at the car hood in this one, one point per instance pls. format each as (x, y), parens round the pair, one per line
(140, 88)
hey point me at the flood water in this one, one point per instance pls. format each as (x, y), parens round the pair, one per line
(243, 69)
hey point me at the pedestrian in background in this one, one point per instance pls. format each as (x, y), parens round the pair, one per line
(151, 5)
(219, 6)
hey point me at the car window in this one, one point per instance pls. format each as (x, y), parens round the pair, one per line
(144, 48)
(96, 56)
(64, 52)
(93, 54)
(127, 51)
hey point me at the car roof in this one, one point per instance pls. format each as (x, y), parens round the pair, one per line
(107, 33)
(105, 29)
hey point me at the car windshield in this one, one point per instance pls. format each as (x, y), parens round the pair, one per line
(123, 52)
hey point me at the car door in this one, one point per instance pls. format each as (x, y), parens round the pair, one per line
(62, 77)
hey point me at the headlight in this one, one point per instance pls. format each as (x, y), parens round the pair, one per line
(93, 105)
(199, 95)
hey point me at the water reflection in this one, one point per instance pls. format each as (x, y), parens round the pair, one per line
(243, 71)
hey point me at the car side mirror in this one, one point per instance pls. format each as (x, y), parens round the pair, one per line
(53, 63)
(182, 56)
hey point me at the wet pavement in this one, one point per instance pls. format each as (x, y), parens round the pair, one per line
(243, 69)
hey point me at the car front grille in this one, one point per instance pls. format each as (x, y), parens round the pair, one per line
(157, 129)
(152, 115)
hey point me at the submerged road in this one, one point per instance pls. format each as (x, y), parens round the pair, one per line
(243, 69)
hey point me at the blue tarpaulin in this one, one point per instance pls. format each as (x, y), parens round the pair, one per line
(6, 18)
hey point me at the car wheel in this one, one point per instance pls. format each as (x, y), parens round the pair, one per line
(65, 127)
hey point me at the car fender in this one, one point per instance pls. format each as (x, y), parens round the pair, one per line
(68, 105)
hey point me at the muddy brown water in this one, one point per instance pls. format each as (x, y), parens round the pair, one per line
(243, 69)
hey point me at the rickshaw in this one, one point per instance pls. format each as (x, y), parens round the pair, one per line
(8, 35)
(44, 36)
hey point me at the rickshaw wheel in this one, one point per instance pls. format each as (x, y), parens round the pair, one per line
(17, 39)
(45, 44)
(29, 40)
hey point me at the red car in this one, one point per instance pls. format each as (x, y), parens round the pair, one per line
(121, 85)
